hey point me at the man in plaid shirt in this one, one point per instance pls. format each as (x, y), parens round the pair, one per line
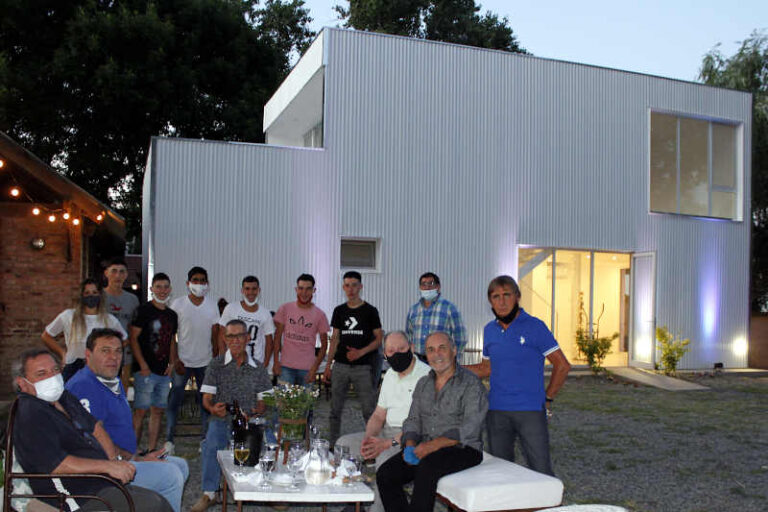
(431, 314)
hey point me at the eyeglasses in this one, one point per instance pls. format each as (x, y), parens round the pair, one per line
(427, 284)
(235, 336)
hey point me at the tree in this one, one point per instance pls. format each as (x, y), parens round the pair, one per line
(452, 21)
(747, 70)
(84, 84)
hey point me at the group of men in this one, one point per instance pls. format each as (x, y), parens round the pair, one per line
(432, 415)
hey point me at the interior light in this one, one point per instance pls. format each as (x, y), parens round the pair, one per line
(15, 192)
(65, 216)
(76, 222)
(35, 211)
(51, 218)
(99, 217)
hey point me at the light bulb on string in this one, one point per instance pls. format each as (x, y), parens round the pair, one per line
(2, 163)
(65, 216)
(51, 218)
(75, 222)
(35, 211)
(99, 217)
(15, 191)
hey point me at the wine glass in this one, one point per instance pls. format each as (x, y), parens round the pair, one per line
(267, 464)
(295, 461)
(354, 465)
(340, 453)
(242, 451)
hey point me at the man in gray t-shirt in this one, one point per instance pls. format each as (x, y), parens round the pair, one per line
(122, 305)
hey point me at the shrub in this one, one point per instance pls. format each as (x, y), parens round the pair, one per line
(591, 346)
(673, 348)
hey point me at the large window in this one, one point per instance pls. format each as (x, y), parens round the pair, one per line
(694, 167)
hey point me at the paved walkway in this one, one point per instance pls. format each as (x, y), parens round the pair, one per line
(656, 380)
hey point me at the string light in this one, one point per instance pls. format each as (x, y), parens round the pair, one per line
(76, 222)
(2, 163)
(35, 211)
(15, 192)
(99, 217)
(51, 218)
(65, 216)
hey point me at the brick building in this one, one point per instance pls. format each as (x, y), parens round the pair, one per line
(53, 234)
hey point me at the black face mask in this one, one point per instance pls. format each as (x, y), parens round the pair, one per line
(507, 319)
(90, 301)
(400, 361)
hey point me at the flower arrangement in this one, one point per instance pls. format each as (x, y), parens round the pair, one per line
(292, 402)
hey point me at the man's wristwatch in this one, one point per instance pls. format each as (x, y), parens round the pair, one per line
(395, 442)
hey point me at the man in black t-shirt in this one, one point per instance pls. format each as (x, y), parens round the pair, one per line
(354, 346)
(53, 433)
(152, 332)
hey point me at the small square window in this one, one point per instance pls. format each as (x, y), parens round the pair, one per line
(359, 253)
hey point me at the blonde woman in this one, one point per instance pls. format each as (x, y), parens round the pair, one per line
(76, 323)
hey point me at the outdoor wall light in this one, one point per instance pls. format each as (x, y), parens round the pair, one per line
(37, 243)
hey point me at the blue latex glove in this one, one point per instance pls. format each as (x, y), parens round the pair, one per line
(409, 455)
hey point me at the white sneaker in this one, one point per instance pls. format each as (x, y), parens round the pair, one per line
(169, 447)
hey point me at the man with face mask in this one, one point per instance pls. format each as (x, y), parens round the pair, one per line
(193, 348)
(433, 313)
(257, 319)
(382, 437)
(53, 433)
(514, 347)
(152, 332)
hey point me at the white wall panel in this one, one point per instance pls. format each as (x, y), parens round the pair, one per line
(453, 156)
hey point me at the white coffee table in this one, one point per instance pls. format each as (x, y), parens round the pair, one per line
(356, 493)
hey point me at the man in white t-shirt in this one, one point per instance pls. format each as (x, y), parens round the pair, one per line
(193, 347)
(257, 319)
(381, 439)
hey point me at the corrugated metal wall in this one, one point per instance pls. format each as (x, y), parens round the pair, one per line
(453, 156)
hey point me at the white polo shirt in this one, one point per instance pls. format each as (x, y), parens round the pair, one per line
(396, 392)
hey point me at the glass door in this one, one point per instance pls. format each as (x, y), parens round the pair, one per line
(643, 310)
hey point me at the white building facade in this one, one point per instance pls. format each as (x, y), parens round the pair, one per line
(617, 200)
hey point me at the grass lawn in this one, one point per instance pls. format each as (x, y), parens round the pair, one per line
(652, 450)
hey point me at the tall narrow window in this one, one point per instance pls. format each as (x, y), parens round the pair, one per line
(693, 167)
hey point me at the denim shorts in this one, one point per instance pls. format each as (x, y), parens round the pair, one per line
(150, 390)
(293, 376)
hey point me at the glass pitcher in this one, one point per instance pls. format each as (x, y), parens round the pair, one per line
(319, 468)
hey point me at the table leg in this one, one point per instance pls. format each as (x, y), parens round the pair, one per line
(325, 507)
(224, 496)
(357, 507)
(239, 506)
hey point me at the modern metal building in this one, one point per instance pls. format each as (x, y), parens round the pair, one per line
(617, 199)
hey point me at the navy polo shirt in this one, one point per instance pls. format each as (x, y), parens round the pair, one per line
(517, 362)
(112, 409)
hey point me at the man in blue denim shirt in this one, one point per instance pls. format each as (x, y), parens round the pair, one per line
(442, 434)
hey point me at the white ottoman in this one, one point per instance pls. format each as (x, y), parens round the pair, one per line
(497, 484)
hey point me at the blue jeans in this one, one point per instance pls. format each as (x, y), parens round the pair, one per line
(217, 438)
(179, 382)
(293, 376)
(505, 427)
(165, 478)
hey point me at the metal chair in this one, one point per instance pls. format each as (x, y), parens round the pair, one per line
(61, 498)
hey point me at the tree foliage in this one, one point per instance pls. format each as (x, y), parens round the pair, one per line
(84, 84)
(747, 70)
(452, 21)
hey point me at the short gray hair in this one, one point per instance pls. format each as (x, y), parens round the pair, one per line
(237, 321)
(19, 365)
(390, 333)
(446, 334)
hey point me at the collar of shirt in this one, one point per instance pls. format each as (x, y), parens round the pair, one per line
(228, 358)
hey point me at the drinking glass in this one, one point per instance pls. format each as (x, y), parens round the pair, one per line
(295, 456)
(355, 466)
(340, 453)
(241, 452)
(267, 463)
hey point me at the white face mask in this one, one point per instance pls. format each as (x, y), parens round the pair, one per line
(198, 290)
(159, 300)
(249, 303)
(49, 389)
(429, 295)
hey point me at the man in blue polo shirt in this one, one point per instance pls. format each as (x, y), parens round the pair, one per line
(100, 391)
(514, 347)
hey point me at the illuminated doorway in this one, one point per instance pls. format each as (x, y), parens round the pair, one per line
(587, 287)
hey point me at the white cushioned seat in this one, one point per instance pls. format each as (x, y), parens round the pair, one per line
(497, 484)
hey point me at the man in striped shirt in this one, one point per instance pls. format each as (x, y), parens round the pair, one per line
(431, 314)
